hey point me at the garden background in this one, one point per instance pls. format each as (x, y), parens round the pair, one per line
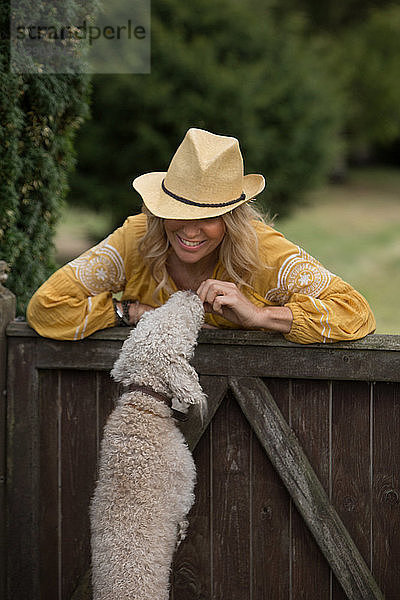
(310, 89)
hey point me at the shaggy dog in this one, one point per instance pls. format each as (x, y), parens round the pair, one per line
(147, 473)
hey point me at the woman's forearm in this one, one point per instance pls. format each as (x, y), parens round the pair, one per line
(274, 318)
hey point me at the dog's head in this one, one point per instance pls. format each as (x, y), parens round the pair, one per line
(159, 348)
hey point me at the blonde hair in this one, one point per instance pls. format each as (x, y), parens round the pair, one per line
(238, 252)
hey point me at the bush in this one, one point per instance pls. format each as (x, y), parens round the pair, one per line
(371, 53)
(363, 41)
(39, 117)
(219, 66)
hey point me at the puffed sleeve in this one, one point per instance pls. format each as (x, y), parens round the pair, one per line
(77, 299)
(325, 308)
(339, 313)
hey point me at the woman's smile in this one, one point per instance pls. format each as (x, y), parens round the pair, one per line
(194, 240)
(190, 244)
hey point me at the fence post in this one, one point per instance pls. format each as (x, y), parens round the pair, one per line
(7, 314)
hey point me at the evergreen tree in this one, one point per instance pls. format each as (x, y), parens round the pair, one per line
(39, 115)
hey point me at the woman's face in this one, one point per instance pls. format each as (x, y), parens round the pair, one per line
(194, 240)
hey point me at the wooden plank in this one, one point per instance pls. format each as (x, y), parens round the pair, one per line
(233, 337)
(297, 362)
(230, 455)
(309, 418)
(89, 355)
(386, 488)
(193, 564)
(310, 498)
(107, 392)
(215, 389)
(7, 314)
(22, 472)
(243, 337)
(78, 470)
(351, 464)
(49, 516)
(239, 353)
(270, 517)
(265, 338)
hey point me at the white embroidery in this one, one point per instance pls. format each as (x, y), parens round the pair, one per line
(100, 269)
(326, 328)
(300, 273)
(89, 308)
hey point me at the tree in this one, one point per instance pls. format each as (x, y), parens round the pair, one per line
(332, 15)
(219, 66)
(39, 115)
(362, 38)
(371, 53)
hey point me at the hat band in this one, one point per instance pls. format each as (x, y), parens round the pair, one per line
(201, 204)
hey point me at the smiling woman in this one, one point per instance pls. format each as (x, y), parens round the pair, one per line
(198, 231)
(194, 249)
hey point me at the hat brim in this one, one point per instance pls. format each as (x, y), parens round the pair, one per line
(164, 206)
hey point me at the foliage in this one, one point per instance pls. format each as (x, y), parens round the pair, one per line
(371, 51)
(363, 39)
(219, 66)
(39, 115)
(332, 15)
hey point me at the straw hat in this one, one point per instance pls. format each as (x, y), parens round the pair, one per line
(204, 179)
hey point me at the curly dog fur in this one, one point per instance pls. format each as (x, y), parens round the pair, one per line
(147, 473)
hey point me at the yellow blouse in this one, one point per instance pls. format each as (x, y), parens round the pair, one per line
(77, 299)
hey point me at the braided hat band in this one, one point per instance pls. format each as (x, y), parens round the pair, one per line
(204, 204)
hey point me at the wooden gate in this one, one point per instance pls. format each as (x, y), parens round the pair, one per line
(298, 492)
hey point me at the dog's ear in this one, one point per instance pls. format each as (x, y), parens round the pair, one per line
(184, 383)
(124, 370)
(118, 370)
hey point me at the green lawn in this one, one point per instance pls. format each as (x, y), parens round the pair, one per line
(78, 230)
(353, 229)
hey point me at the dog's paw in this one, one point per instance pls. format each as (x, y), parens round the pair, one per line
(181, 533)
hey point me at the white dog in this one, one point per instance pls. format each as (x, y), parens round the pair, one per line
(147, 473)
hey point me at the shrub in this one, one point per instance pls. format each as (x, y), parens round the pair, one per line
(371, 51)
(39, 117)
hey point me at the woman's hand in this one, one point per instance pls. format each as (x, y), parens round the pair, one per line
(136, 310)
(225, 299)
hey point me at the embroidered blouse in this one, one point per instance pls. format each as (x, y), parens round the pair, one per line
(77, 299)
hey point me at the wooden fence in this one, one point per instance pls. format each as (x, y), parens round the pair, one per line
(298, 492)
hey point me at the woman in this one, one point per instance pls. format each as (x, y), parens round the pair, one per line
(198, 231)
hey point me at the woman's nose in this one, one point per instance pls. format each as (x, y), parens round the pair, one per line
(191, 228)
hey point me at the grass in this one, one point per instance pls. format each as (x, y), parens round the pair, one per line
(78, 230)
(352, 228)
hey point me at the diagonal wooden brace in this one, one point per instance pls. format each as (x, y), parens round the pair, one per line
(292, 465)
(215, 389)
